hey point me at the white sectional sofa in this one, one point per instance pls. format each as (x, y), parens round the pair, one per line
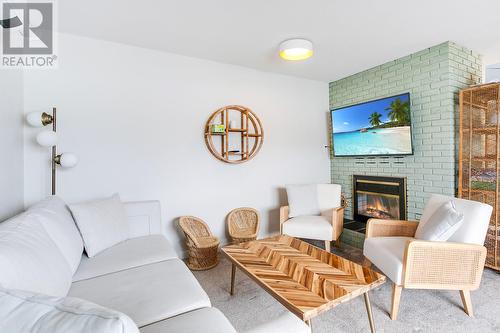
(142, 277)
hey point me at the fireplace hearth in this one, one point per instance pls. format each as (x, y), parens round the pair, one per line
(378, 197)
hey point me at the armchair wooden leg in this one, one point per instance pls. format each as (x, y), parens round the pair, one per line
(310, 324)
(327, 246)
(396, 296)
(367, 262)
(338, 243)
(465, 295)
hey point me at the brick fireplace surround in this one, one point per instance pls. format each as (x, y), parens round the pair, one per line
(433, 78)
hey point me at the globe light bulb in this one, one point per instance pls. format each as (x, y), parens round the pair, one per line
(68, 160)
(47, 138)
(35, 119)
(39, 119)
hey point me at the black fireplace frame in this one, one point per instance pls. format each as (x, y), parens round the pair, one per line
(383, 185)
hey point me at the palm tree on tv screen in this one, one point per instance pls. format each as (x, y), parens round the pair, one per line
(375, 119)
(399, 112)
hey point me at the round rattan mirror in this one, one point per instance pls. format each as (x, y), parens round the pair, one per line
(234, 134)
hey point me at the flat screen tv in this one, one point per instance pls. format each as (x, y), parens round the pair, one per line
(376, 128)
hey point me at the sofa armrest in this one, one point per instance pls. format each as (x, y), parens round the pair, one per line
(443, 265)
(144, 218)
(284, 215)
(390, 228)
(337, 222)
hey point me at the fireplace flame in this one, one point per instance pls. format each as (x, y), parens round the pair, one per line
(376, 204)
(375, 207)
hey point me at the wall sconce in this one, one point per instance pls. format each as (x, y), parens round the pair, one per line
(49, 139)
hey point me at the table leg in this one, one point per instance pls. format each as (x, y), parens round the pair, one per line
(233, 275)
(310, 324)
(369, 311)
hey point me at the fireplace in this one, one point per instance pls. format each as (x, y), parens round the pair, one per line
(378, 197)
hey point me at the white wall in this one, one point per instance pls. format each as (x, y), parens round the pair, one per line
(135, 117)
(11, 143)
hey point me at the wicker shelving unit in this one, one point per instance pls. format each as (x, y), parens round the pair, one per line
(238, 144)
(479, 157)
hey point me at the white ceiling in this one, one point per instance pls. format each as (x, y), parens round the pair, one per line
(348, 36)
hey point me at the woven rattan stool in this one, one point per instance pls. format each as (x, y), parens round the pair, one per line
(243, 224)
(202, 245)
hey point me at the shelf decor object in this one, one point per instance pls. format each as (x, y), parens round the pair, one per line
(49, 139)
(217, 128)
(234, 144)
(479, 157)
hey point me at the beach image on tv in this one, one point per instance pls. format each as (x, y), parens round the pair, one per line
(380, 127)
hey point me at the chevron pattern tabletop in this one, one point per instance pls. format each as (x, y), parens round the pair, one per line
(305, 279)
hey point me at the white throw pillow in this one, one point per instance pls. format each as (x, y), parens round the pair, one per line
(102, 223)
(29, 258)
(441, 225)
(303, 200)
(59, 224)
(26, 312)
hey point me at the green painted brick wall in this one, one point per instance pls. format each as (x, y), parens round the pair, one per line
(433, 77)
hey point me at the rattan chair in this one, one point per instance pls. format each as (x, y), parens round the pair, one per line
(455, 264)
(202, 245)
(243, 224)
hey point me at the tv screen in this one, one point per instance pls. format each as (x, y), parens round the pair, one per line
(379, 127)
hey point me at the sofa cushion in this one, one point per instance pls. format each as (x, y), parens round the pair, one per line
(59, 224)
(441, 225)
(311, 227)
(128, 254)
(144, 218)
(302, 200)
(29, 258)
(387, 254)
(148, 293)
(102, 223)
(22, 311)
(206, 320)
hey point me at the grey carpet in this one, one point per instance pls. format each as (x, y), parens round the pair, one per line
(420, 310)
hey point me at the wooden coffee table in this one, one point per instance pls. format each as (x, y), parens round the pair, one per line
(305, 279)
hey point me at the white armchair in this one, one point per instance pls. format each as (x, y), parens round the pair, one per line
(314, 211)
(455, 264)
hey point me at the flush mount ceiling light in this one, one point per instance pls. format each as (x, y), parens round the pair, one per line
(296, 49)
